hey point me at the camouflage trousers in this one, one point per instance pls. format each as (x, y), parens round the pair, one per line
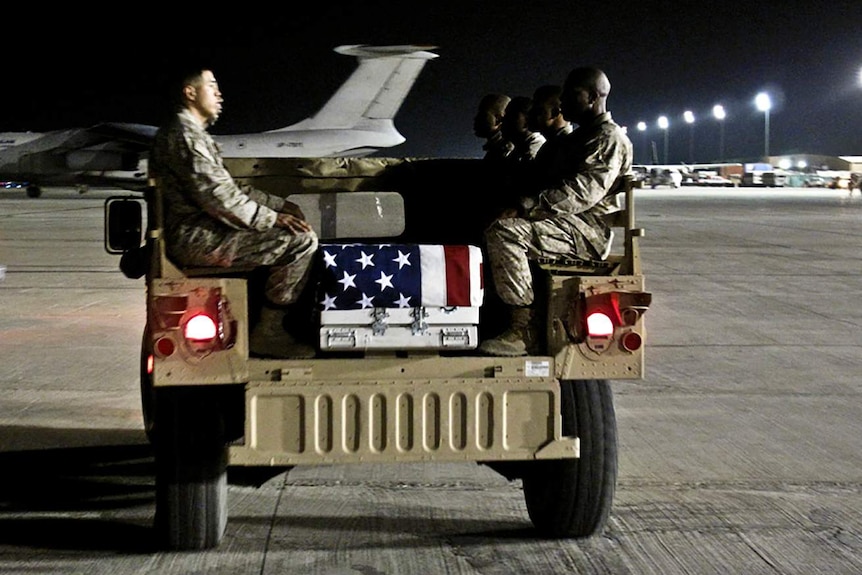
(289, 257)
(512, 242)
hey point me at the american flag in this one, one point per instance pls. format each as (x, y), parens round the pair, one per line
(360, 276)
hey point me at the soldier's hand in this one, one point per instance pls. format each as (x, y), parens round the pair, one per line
(292, 223)
(292, 209)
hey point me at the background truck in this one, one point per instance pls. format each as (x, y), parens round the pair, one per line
(385, 385)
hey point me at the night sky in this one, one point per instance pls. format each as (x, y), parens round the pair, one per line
(70, 68)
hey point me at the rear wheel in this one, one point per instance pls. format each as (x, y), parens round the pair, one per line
(148, 394)
(573, 497)
(191, 469)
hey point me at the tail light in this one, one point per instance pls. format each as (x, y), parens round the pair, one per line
(200, 328)
(610, 317)
(197, 323)
(602, 314)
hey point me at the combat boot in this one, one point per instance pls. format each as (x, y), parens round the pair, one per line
(270, 339)
(519, 339)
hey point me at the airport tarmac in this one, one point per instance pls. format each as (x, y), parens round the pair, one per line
(739, 450)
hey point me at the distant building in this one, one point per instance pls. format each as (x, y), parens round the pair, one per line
(814, 162)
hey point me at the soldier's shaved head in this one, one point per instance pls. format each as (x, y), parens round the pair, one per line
(589, 78)
(585, 94)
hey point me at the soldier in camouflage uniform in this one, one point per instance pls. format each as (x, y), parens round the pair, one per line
(211, 220)
(546, 117)
(487, 124)
(565, 217)
(516, 128)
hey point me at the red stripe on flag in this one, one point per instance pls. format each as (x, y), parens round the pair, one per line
(457, 275)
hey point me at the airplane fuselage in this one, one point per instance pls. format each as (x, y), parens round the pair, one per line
(307, 143)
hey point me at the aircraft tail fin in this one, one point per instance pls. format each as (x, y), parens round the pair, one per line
(374, 92)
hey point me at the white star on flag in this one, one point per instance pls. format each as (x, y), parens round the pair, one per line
(365, 260)
(328, 302)
(402, 259)
(329, 259)
(403, 301)
(385, 281)
(347, 281)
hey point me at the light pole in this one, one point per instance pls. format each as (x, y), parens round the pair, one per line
(718, 112)
(642, 130)
(663, 124)
(764, 104)
(688, 116)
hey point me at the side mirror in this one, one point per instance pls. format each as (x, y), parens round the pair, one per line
(124, 224)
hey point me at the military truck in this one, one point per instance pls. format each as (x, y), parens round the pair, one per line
(387, 384)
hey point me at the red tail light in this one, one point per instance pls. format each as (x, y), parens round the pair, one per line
(200, 327)
(165, 346)
(602, 314)
(632, 341)
(196, 322)
(610, 320)
(599, 324)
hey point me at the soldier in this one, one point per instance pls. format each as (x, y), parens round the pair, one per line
(516, 129)
(565, 217)
(487, 122)
(211, 220)
(546, 116)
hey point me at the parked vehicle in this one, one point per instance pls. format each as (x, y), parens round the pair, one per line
(665, 177)
(769, 179)
(714, 180)
(641, 173)
(815, 181)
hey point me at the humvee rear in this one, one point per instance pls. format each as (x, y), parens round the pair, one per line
(382, 389)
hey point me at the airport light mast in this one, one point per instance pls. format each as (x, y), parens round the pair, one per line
(642, 129)
(719, 114)
(663, 124)
(764, 104)
(688, 116)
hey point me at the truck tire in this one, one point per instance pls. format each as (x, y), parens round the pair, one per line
(148, 395)
(191, 457)
(573, 497)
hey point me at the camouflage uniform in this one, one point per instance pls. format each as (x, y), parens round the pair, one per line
(497, 147)
(548, 150)
(566, 218)
(211, 220)
(525, 150)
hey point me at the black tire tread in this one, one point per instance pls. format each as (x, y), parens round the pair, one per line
(148, 401)
(573, 498)
(191, 470)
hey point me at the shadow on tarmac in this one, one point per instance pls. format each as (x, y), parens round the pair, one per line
(44, 492)
(100, 498)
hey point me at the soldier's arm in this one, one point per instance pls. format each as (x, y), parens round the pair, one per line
(590, 180)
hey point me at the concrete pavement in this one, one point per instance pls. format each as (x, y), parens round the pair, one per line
(739, 452)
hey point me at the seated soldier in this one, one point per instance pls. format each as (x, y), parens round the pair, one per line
(211, 220)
